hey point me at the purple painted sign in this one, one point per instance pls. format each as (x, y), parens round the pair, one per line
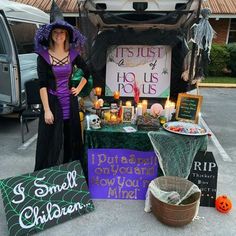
(120, 173)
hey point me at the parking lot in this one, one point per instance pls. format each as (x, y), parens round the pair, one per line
(127, 217)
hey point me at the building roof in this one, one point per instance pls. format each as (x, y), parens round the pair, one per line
(66, 6)
(222, 7)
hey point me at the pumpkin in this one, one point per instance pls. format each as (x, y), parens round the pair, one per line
(223, 204)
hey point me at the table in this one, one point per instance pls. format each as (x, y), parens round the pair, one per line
(176, 151)
(114, 136)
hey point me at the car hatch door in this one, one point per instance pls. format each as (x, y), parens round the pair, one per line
(9, 66)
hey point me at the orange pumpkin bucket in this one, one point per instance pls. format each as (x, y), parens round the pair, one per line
(223, 204)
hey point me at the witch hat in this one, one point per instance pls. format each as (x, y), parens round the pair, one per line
(76, 39)
(55, 12)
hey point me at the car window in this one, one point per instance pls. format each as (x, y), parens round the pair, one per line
(2, 47)
(24, 36)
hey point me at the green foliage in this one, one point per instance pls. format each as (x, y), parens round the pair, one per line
(220, 57)
(222, 79)
(232, 63)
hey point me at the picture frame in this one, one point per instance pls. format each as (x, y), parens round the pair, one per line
(127, 113)
(188, 107)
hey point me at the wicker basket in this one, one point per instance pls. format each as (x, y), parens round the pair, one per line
(174, 215)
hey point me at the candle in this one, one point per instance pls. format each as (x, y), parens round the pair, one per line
(128, 104)
(97, 105)
(139, 109)
(162, 120)
(107, 115)
(169, 109)
(98, 91)
(87, 119)
(172, 106)
(172, 109)
(113, 117)
(116, 95)
(144, 106)
(101, 102)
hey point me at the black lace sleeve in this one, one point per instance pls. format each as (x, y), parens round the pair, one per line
(42, 69)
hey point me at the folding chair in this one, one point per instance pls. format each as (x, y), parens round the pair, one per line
(33, 105)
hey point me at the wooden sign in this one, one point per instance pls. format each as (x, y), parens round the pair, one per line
(188, 107)
(39, 200)
(204, 173)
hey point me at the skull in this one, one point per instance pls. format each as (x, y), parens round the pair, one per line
(95, 121)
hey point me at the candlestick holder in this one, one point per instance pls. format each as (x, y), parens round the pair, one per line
(88, 122)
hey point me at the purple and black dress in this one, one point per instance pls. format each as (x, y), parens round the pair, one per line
(62, 70)
(66, 128)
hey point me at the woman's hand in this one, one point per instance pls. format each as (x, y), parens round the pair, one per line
(75, 91)
(48, 117)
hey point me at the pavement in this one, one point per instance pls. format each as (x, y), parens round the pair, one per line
(124, 217)
(127, 217)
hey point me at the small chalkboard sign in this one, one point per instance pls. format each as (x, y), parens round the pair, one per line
(188, 107)
(39, 200)
(204, 174)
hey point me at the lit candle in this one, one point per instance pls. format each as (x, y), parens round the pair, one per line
(107, 115)
(116, 95)
(97, 105)
(162, 120)
(168, 107)
(113, 117)
(101, 102)
(172, 109)
(139, 109)
(172, 106)
(128, 104)
(98, 91)
(144, 106)
(87, 119)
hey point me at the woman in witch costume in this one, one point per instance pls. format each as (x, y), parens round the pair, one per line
(59, 132)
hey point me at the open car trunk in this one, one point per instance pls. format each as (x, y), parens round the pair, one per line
(142, 42)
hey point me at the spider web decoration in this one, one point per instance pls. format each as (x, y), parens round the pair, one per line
(39, 200)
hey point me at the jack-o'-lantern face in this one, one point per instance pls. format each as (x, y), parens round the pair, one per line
(223, 204)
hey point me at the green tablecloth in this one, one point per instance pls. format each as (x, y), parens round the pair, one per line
(176, 152)
(114, 136)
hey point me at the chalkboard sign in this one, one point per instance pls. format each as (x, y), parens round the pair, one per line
(188, 107)
(39, 200)
(204, 173)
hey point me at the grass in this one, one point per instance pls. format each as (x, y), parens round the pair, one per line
(224, 80)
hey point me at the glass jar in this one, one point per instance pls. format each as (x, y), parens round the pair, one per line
(113, 112)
